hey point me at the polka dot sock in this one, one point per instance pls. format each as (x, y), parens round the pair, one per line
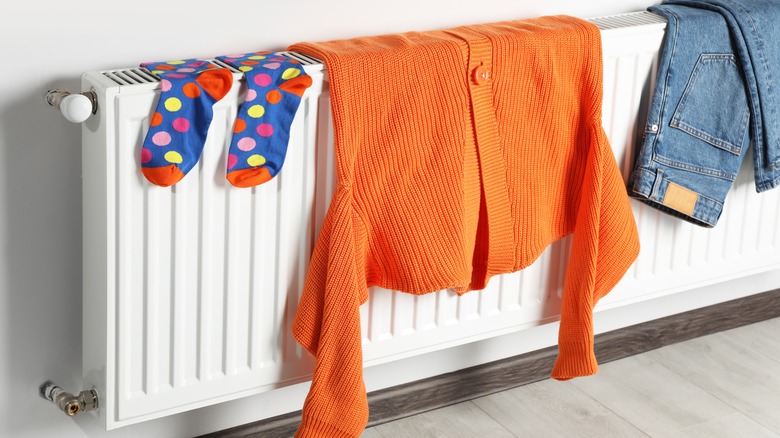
(262, 129)
(178, 127)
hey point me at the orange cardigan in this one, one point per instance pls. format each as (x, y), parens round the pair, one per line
(460, 154)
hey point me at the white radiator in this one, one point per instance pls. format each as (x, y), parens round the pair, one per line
(190, 291)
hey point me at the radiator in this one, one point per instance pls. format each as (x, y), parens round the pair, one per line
(190, 291)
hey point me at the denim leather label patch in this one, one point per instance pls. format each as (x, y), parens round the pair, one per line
(680, 198)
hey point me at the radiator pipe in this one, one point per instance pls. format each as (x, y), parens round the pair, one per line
(68, 403)
(75, 107)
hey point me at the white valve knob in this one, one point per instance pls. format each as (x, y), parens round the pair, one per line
(75, 107)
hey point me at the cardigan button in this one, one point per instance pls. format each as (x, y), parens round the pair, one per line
(481, 75)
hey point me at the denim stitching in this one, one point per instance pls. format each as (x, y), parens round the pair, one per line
(637, 187)
(676, 121)
(700, 170)
(662, 106)
(707, 138)
(768, 185)
(659, 177)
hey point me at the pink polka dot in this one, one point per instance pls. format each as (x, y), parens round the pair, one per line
(176, 75)
(232, 161)
(197, 64)
(186, 70)
(181, 124)
(265, 129)
(146, 155)
(165, 85)
(278, 58)
(246, 144)
(263, 80)
(162, 138)
(250, 95)
(272, 65)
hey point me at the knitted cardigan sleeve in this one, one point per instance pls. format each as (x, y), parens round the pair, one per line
(605, 243)
(328, 326)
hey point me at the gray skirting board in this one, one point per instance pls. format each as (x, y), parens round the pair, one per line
(470, 383)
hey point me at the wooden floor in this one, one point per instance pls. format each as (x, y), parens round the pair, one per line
(721, 385)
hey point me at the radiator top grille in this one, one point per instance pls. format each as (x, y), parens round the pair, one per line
(140, 75)
(131, 76)
(632, 19)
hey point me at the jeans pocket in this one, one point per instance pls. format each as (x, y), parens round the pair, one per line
(714, 106)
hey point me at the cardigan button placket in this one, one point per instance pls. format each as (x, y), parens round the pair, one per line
(495, 250)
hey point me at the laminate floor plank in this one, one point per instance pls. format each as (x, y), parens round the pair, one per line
(372, 432)
(736, 425)
(724, 385)
(554, 409)
(732, 371)
(464, 420)
(650, 396)
(761, 337)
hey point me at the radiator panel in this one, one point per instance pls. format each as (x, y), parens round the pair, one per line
(203, 270)
(198, 283)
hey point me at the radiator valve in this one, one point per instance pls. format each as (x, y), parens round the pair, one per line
(68, 403)
(76, 107)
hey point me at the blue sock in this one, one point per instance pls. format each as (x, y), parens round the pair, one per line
(177, 131)
(262, 128)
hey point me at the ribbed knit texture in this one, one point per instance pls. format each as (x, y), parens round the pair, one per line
(460, 155)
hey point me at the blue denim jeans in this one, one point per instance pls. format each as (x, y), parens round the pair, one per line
(714, 93)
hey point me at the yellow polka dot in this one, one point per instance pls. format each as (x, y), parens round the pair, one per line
(256, 160)
(290, 73)
(245, 68)
(156, 72)
(175, 62)
(257, 57)
(256, 111)
(172, 104)
(173, 157)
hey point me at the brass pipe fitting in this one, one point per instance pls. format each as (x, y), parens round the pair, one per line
(68, 403)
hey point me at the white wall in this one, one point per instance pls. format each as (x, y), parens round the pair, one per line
(47, 44)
